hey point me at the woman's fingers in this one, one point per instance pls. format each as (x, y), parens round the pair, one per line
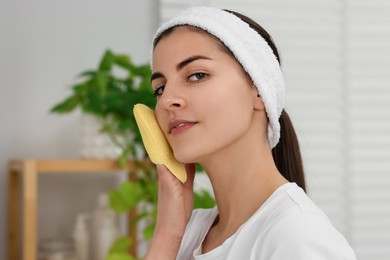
(165, 176)
(171, 202)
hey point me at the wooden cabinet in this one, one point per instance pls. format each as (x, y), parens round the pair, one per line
(23, 201)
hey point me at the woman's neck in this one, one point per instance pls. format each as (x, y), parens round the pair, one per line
(242, 184)
(242, 181)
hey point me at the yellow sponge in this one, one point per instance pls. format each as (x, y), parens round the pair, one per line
(155, 143)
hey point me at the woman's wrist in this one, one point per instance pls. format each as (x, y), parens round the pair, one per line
(163, 247)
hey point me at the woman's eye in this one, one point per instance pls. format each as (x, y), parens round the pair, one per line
(197, 76)
(158, 91)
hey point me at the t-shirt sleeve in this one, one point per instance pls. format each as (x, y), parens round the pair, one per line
(302, 237)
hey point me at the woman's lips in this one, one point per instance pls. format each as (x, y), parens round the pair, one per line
(179, 126)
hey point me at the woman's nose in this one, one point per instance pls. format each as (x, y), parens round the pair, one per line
(171, 99)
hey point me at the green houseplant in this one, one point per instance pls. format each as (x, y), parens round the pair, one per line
(109, 93)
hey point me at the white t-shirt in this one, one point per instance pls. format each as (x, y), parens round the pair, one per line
(287, 226)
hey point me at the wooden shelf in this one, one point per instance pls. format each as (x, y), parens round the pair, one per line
(23, 187)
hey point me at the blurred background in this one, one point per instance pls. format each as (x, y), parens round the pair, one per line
(336, 60)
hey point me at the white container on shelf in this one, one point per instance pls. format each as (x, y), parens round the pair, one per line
(104, 228)
(94, 144)
(81, 237)
(56, 249)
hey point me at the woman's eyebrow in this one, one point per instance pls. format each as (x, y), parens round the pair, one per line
(190, 59)
(180, 65)
(156, 75)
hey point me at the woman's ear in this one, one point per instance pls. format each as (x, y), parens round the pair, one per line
(259, 104)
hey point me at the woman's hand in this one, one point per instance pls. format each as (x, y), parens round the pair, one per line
(175, 204)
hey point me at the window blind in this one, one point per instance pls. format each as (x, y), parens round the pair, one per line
(368, 70)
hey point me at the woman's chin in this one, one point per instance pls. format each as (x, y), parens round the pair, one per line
(184, 158)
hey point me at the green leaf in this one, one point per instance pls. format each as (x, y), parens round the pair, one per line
(119, 256)
(145, 85)
(121, 245)
(81, 89)
(89, 73)
(123, 61)
(125, 124)
(107, 61)
(151, 190)
(101, 81)
(203, 199)
(67, 105)
(131, 193)
(94, 104)
(199, 168)
(143, 70)
(117, 202)
(148, 231)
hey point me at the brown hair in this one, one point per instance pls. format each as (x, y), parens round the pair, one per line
(286, 153)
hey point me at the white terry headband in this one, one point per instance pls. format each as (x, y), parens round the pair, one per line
(251, 51)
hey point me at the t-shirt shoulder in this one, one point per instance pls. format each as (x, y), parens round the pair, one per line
(303, 236)
(298, 229)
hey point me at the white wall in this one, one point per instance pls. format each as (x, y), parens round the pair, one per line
(43, 45)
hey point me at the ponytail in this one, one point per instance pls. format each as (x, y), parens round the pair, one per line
(286, 153)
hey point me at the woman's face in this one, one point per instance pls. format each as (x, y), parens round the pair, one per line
(205, 101)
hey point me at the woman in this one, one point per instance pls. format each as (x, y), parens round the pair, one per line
(220, 99)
